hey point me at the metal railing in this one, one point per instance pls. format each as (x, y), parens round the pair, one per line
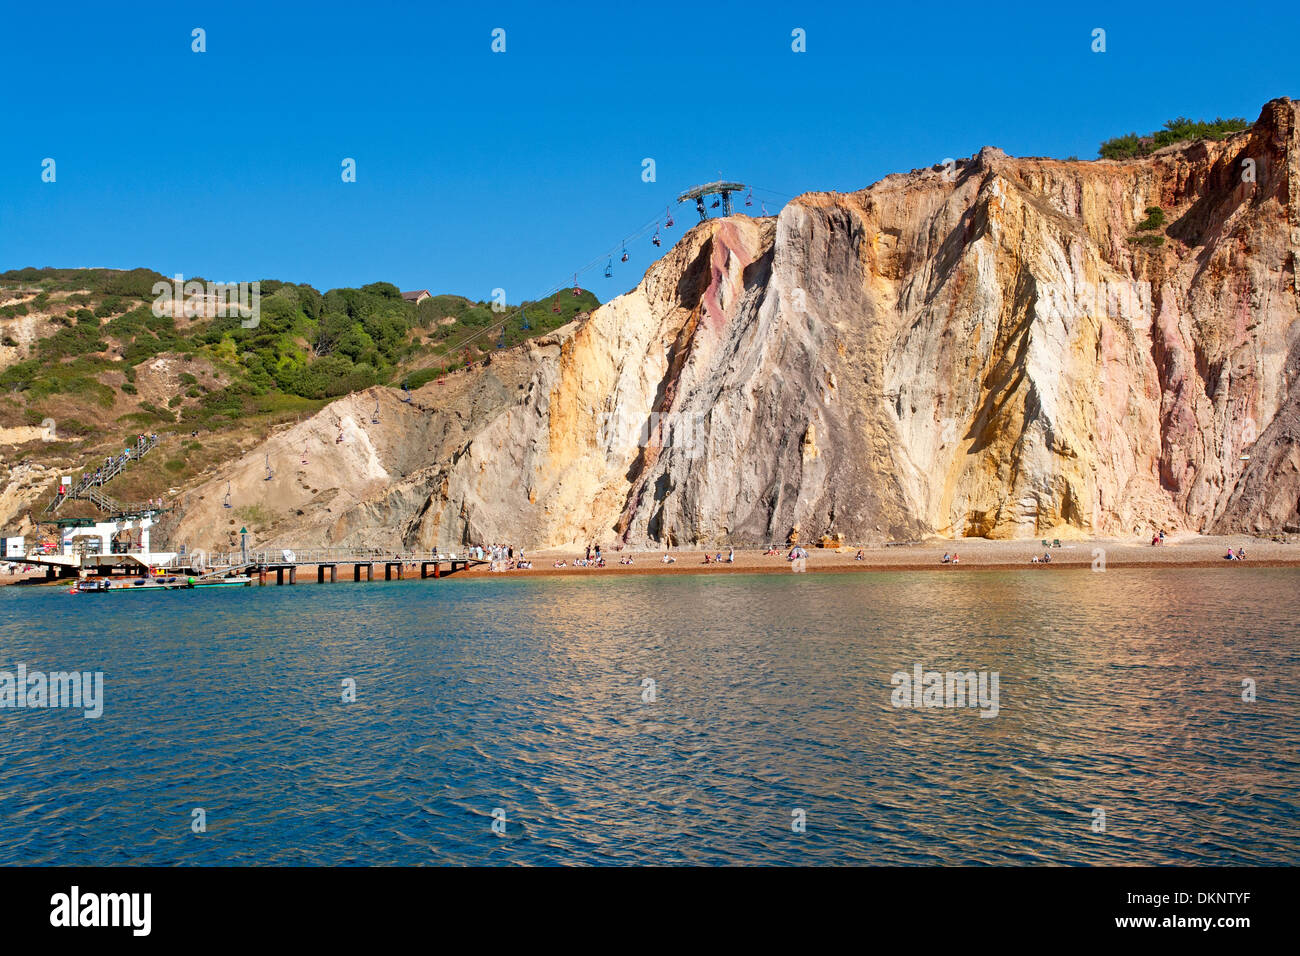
(284, 556)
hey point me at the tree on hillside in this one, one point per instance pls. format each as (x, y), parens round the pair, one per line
(1176, 130)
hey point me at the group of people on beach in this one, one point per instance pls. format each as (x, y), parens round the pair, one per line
(591, 559)
(507, 558)
(502, 557)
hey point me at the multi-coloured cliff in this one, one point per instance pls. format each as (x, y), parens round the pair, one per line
(999, 347)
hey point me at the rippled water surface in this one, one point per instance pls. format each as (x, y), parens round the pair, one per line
(1120, 691)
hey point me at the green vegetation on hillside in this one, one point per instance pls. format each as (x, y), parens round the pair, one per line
(1175, 131)
(1150, 227)
(307, 348)
(1154, 220)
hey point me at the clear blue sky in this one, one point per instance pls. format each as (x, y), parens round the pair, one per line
(477, 170)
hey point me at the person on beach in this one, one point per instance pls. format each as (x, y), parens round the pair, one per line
(859, 556)
(955, 559)
(588, 552)
(706, 557)
(731, 555)
(669, 559)
(947, 558)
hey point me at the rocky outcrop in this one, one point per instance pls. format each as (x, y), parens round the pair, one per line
(988, 348)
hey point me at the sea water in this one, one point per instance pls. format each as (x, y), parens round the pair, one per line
(1141, 716)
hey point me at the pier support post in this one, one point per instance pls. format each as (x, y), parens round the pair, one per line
(279, 577)
(293, 574)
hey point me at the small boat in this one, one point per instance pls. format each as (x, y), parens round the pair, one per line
(234, 581)
(90, 586)
(157, 583)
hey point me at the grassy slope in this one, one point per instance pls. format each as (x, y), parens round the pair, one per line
(83, 347)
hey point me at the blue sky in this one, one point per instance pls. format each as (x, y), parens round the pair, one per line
(478, 170)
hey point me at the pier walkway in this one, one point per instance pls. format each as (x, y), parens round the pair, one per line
(285, 563)
(281, 565)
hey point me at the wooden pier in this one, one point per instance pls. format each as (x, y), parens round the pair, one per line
(278, 567)
(281, 567)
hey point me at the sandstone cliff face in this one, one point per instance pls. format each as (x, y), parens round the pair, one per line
(978, 350)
